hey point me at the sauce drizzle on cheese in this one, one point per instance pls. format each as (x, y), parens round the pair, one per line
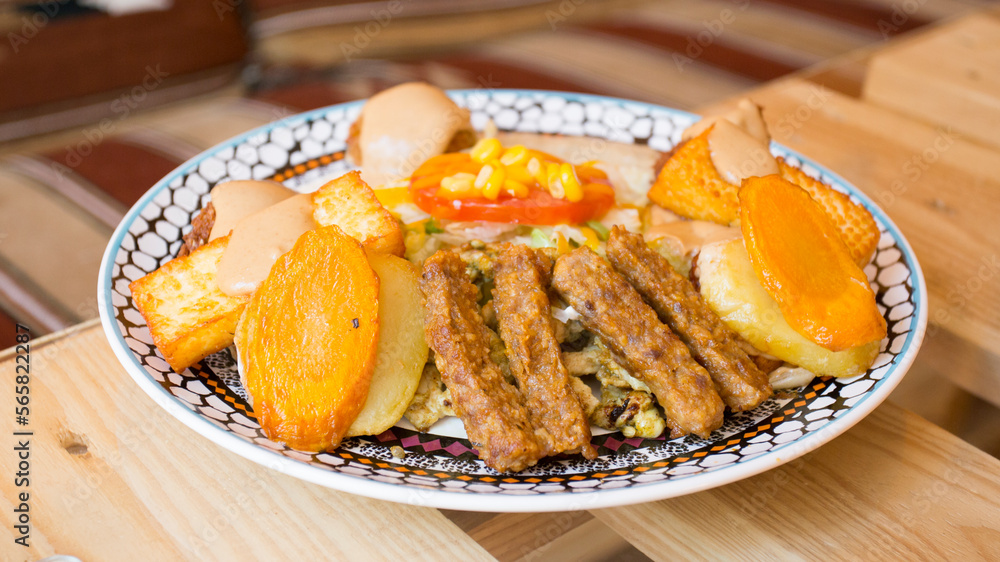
(692, 234)
(737, 155)
(235, 200)
(738, 143)
(259, 240)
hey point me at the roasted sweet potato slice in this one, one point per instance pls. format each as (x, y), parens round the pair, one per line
(307, 340)
(856, 225)
(801, 261)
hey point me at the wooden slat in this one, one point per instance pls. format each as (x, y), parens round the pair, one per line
(114, 476)
(949, 77)
(883, 491)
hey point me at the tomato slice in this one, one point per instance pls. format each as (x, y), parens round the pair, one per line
(539, 207)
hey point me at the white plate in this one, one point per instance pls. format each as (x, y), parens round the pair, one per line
(440, 469)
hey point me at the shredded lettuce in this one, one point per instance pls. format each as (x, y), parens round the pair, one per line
(539, 239)
(601, 230)
(432, 227)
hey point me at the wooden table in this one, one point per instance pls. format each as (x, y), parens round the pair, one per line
(114, 477)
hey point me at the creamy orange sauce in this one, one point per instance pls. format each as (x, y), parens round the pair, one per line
(746, 116)
(404, 126)
(235, 200)
(737, 154)
(692, 234)
(259, 240)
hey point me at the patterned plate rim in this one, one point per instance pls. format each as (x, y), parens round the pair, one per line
(591, 499)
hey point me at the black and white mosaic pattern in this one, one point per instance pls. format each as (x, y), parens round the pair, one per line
(305, 147)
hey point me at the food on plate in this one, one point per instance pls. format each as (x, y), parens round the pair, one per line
(431, 402)
(856, 226)
(729, 285)
(525, 319)
(522, 283)
(402, 349)
(201, 230)
(495, 418)
(516, 184)
(267, 227)
(401, 127)
(804, 265)
(307, 340)
(258, 240)
(611, 308)
(701, 178)
(349, 203)
(188, 316)
(714, 345)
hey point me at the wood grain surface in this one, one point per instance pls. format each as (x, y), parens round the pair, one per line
(949, 77)
(892, 488)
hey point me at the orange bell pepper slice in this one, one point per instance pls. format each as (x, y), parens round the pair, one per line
(802, 262)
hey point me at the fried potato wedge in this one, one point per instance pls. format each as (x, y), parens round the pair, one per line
(188, 316)
(307, 340)
(402, 349)
(689, 185)
(349, 203)
(801, 261)
(729, 285)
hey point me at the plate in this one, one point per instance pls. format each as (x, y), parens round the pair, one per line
(440, 468)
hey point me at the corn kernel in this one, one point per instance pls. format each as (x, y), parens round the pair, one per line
(519, 173)
(537, 170)
(562, 245)
(571, 184)
(514, 155)
(515, 188)
(554, 180)
(490, 179)
(464, 176)
(457, 188)
(593, 241)
(486, 150)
